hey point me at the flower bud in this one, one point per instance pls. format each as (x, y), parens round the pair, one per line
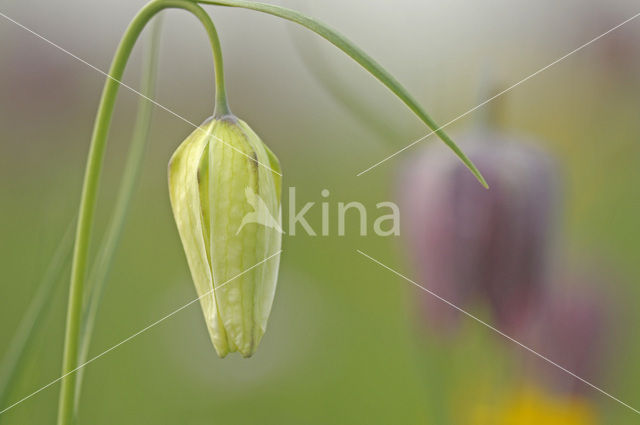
(466, 241)
(225, 185)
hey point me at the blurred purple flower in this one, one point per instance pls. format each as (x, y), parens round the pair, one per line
(465, 241)
(572, 328)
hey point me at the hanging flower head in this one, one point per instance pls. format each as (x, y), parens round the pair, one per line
(225, 186)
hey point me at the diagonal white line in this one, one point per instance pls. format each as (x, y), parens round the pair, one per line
(136, 334)
(497, 331)
(577, 49)
(130, 88)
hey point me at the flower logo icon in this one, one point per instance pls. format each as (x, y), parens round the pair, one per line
(260, 214)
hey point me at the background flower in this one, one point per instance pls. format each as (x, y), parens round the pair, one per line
(471, 244)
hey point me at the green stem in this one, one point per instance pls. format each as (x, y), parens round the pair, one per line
(359, 56)
(221, 103)
(92, 175)
(139, 140)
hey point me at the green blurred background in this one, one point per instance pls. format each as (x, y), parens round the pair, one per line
(344, 343)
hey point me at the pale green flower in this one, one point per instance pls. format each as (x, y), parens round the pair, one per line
(225, 187)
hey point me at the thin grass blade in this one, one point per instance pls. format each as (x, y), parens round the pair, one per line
(357, 54)
(15, 359)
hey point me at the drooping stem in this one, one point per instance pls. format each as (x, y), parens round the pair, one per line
(92, 176)
(99, 271)
(221, 102)
(357, 54)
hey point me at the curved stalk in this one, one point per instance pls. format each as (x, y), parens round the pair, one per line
(139, 141)
(92, 175)
(357, 54)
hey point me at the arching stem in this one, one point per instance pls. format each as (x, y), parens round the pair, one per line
(357, 54)
(92, 176)
(99, 270)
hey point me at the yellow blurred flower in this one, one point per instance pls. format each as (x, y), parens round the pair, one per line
(533, 406)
